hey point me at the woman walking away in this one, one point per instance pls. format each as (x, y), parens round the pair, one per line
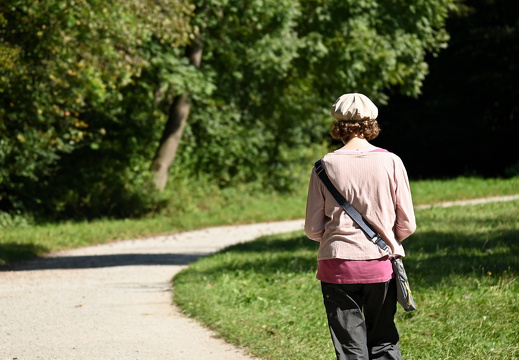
(356, 275)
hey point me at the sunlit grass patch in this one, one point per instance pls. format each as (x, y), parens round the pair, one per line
(462, 264)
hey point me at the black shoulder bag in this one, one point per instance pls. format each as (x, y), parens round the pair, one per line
(404, 296)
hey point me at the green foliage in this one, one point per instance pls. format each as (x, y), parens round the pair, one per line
(68, 79)
(87, 86)
(462, 264)
(371, 45)
(277, 66)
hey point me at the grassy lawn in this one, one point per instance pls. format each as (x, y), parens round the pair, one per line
(433, 191)
(463, 267)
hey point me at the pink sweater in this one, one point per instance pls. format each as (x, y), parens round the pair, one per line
(376, 184)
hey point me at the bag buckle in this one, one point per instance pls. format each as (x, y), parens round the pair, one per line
(381, 243)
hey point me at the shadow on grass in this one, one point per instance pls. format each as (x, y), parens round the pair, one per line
(432, 256)
(9, 251)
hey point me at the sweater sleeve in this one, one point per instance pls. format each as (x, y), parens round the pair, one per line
(405, 223)
(315, 219)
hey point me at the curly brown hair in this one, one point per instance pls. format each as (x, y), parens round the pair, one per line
(344, 130)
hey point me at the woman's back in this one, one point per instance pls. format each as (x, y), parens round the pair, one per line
(374, 181)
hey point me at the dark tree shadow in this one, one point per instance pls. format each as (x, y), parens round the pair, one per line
(432, 256)
(14, 250)
(101, 261)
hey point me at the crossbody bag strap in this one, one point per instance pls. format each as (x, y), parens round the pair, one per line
(348, 208)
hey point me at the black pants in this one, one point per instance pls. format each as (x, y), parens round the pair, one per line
(361, 320)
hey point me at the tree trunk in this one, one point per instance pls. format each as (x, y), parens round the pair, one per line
(177, 118)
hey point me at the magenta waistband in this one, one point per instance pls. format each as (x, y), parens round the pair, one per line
(340, 271)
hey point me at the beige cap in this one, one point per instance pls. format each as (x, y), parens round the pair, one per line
(354, 107)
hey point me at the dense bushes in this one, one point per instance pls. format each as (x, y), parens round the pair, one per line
(77, 110)
(87, 86)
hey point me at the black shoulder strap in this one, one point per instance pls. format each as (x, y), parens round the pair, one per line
(348, 208)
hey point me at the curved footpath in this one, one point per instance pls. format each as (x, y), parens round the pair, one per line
(113, 301)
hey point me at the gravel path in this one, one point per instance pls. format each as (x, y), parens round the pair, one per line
(113, 301)
(470, 202)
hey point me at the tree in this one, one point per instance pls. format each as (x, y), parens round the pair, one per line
(68, 69)
(89, 87)
(277, 65)
(177, 117)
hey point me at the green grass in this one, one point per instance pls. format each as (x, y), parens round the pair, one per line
(26, 242)
(197, 205)
(462, 263)
(433, 191)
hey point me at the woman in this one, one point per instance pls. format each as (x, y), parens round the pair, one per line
(356, 276)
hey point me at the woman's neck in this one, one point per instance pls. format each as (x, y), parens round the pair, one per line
(356, 143)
